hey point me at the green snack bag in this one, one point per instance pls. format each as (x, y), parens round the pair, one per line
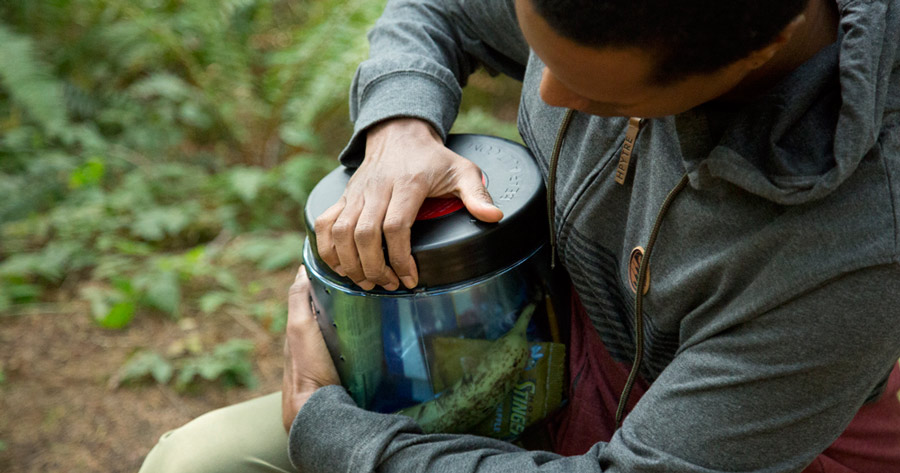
(537, 392)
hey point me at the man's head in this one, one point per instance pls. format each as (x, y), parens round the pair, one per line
(651, 57)
(686, 37)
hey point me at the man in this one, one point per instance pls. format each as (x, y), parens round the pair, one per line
(724, 183)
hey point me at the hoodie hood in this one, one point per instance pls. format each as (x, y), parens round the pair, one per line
(821, 120)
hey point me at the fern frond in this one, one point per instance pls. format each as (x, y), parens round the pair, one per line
(315, 73)
(29, 82)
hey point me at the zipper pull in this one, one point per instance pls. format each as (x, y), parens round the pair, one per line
(634, 126)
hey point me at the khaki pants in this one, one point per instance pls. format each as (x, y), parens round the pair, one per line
(246, 437)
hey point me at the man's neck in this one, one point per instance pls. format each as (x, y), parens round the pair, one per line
(819, 30)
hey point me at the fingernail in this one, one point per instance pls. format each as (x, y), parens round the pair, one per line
(339, 270)
(408, 281)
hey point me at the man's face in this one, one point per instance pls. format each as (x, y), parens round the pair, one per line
(614, 81)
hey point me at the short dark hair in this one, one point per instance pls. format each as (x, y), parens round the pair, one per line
(686, 37)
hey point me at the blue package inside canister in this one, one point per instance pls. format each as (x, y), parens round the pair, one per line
(485, 310)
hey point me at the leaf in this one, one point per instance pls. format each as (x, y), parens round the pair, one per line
(17, 292)
(124, 286)
(212, 301)
(51, 262)
(111, 308)
(246, 182)
(88, 174)
(164, 85)
(298, 136)
(118, 316)
(285, 253)
(186, 374)
(157, 223)
(30, 82)
(144, 364)
(269, 253)
(161, 290)
(299, 174)
(228, 280)
(229, 362)
(193, 115)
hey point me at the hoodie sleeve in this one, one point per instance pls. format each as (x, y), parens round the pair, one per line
(421, 54)
(765, 396)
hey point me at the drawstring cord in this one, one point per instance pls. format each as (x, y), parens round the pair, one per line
(639, 300)
(551, 183)
(645, 260)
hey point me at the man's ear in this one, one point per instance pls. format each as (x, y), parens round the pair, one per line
(761, 56)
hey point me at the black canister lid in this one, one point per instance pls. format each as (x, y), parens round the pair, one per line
(454, 247)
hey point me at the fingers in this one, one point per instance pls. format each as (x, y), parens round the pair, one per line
(349, 238)
(369, 242)
(307, 364)
(470, 189)
(344, 237)
(405, 162)
(324, 237)
(398, 220)
(304, 341)
(298, 296)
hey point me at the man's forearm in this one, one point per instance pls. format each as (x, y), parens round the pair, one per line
(421, 54)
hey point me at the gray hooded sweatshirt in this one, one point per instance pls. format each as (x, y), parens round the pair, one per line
(774, 308)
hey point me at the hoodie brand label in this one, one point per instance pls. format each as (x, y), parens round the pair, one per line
(634, 266)
(634, 125)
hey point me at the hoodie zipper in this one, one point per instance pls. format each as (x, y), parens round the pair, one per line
(634, 125)
(624, 164)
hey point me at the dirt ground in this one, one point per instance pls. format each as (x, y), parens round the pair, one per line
(58, 410)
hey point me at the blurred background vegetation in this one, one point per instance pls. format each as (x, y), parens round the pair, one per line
(155, 156)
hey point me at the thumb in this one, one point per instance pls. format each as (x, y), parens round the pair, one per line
(478, 202)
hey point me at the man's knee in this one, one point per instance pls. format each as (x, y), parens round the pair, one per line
(246, 437)
(186, 450)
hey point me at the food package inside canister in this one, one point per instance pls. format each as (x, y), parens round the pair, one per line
(537, 391)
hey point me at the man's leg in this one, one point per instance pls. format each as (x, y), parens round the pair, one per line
(247, 437)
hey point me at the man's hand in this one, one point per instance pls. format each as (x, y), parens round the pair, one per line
(307, 364)
(405, 162)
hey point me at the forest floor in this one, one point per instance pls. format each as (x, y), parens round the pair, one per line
(60, 410)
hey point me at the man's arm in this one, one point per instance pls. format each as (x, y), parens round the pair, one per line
(404, 100)
(767, 395)
(420, 56)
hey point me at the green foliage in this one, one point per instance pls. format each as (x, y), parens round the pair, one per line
(113, 307)
(229, 363)
(142, 365)
(477, 120)
(30, 83)
(155, 156)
